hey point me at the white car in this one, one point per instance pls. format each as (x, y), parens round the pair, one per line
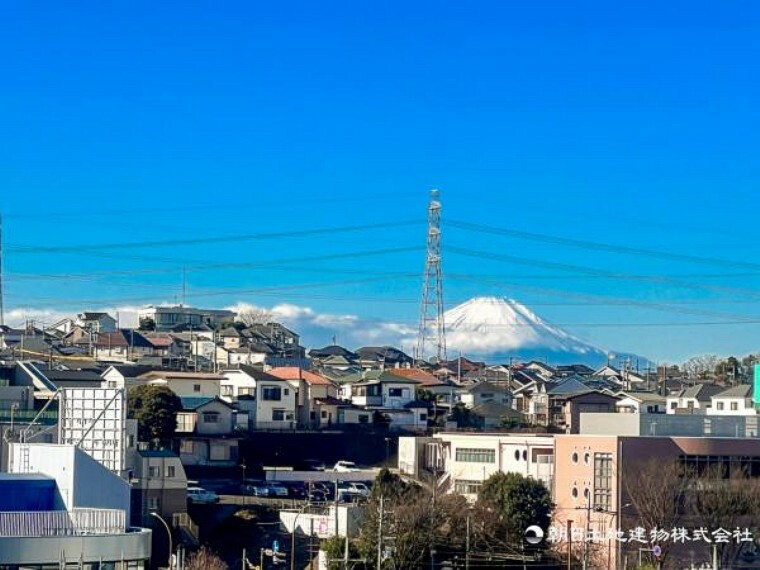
(201, 495)
(345, 467)
(355, 488)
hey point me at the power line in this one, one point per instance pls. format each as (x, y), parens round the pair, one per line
(206, 240)
(599, 246)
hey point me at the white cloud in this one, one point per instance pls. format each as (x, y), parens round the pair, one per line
(317, 329)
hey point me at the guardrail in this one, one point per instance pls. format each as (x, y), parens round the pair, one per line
(75, 522)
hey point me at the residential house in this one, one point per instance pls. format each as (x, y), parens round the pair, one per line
(345, 357)
(205, 432)
(382, 357)
(310, 389)
(640, 403)
(123, 375)
(695, 399)
(493, 415)
(393, 397)
(168, 318)
(735, 401)
(270, 401)
(159, 485)
(486, 392)
(541, 368)
(563, 371)
(186, 384)
(96, 322)
(204, 416)
(626, 378)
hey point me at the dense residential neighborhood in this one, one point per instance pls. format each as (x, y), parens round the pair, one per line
(86, 385)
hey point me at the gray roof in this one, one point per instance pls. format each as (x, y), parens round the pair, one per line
(701, 392)
(741, 391)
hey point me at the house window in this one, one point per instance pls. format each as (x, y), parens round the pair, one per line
(152, 503)
(186, 447)
(246, 391)
(734, 406)
(673, 405)
(324, 415)
(465, 487)
(196, 387)
(227, 390)
(278, 415)
(170, 471)
(286, 392)
(602, 481)
(313, 415)
(423, 417)
(153, 472)
(517, 455)
(475, 455)
(272, 394)
(363, 418)
(719, 405)
(398, 392)
(210, 417)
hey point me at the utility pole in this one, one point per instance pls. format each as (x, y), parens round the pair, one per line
(431, 329)
(380, 534)
(467, 546)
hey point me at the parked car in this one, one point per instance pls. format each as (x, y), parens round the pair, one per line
(256, 488)
(296, 489)
(317, 496)
(277, 489)
(201, 495)
(354, 488)
(345, 467)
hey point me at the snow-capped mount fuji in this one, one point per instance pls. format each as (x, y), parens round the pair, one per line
(496, 329)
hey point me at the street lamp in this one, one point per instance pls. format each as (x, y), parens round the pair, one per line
(168, 534)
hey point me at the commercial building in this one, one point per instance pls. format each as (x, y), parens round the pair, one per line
(62, 509)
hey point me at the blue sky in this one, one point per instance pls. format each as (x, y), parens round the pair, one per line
(626, 124)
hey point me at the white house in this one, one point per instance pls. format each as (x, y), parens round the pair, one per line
(640, 403)
(693, 400)
(385, 392)
(186, 384)
(311, 389)
(271, 400)
(736, 401)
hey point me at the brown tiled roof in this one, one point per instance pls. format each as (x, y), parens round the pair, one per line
(296, 373)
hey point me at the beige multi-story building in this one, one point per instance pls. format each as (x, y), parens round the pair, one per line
(590, 490)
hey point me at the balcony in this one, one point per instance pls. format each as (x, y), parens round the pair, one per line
(79, 536)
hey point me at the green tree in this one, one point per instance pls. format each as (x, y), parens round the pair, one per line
(508, 503)
(155, 408)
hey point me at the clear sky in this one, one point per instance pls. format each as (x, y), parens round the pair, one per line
(627, 124)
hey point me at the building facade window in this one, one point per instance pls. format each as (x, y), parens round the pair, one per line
(278, 415)
(227, 390)
(734, 406)
(363, 419)
(719, 405)
(398, 392)
(153, 471)
(170, 471)
(603, 481)
(210, 417)
(196, 387)
(475, 455)
(271, 393)
(466, 487)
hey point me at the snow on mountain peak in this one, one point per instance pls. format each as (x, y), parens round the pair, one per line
(488, 325)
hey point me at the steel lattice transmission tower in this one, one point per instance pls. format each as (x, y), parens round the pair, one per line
(432, 332)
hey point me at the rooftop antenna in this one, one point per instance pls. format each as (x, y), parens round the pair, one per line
(184, 287)
(432, 331)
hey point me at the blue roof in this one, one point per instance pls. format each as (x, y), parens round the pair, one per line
(194, 402)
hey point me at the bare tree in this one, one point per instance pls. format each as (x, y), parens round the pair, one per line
(724, 497)
(254, 316)
(656, 492)
(701, 367)
(205, 559)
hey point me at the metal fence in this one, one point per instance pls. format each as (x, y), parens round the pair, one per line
(75, 522)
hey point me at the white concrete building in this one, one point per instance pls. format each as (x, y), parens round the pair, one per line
(64, 509)
(167, 318)
(271, 401)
